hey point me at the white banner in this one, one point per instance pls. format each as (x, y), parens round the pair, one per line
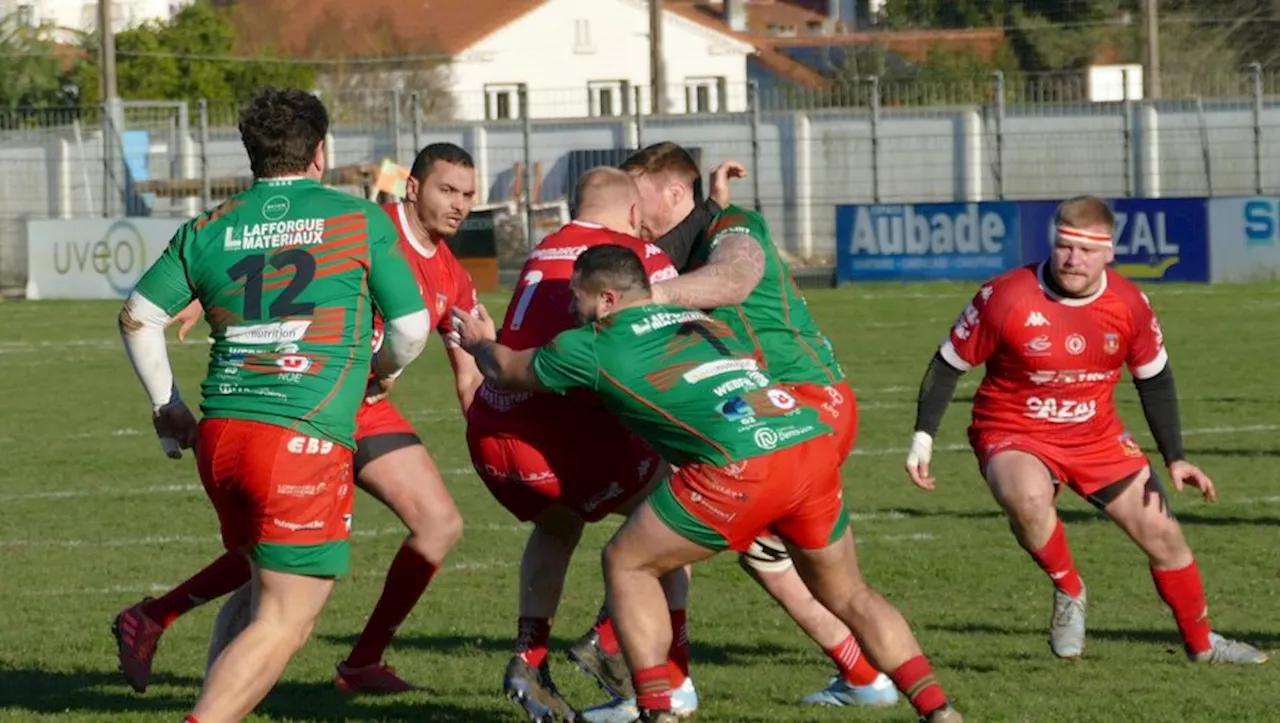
(93, 258)
(1244, 239)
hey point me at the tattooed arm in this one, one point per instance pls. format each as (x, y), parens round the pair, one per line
(731, 274)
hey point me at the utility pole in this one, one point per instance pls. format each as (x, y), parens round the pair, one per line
(1151, 73)
(657, 69)
(106, 52)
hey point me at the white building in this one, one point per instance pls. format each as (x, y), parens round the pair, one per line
(81, 16)
(583, 58)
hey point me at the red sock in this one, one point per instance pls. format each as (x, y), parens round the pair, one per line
(653, 687)
(532, 636)
(1183, 592)
(407, 579)
(678, 656)
(1055, 559)
(221, 577)
(916, 680)
(854, 666)
(190, 719)
(604, 628)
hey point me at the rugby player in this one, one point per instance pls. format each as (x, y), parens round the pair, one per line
(1053, 337)
(529, 448)
(290, 272)
(391, 462)
(735, 268)
(752, 457)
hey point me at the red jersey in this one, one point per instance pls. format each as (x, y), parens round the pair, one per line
(1053, 362)
(442, 280)
(542, 305)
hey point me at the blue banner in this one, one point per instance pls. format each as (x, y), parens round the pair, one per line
(1157, 239)
(926, 241)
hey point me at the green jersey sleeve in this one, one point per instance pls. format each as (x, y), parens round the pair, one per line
(736, 221)
(569, 361)
(166, 283)
(391, 282)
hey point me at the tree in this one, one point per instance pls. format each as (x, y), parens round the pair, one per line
(31, 68)
(191, 57)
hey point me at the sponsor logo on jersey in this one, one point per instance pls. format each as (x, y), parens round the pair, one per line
(298, 526)
(1035, 318)
(1076, 344)
(735, 409)
(705, 371)
(1110, 343)
(1038, 346)
(274, 333)
(1060, 411)
(781, 399)
(275, 208)
(442, 300)
(664, 274)
(1128, 446)
(651, 250)
(663, 319)
(294, 363)
(966, 322)
(753, 380)
(301, 490)
(274, 235)
(1074, 376)
(563, 253)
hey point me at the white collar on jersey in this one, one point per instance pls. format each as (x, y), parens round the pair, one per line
(585, 224)
(1069, 300)
(408, 234)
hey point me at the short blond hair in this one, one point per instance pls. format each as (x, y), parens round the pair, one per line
(605, 187)
(1083, 212)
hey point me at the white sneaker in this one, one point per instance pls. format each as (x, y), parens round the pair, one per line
(684, 703)
(840, 692)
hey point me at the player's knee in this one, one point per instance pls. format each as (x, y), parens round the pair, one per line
(437, 538)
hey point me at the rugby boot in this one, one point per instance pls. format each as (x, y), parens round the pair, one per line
(840, 692)
(136, 639)
(658, 716)
(1066, 629)
(1224, 651)
(610, 671)
(684, 703)
(945, 714)
(376, 679)
(532, 689)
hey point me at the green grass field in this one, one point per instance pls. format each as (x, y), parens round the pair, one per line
(93, 517)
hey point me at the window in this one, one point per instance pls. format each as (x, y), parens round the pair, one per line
(582, 37)
(703, 95)
(607, 97)
(26, 16)
(501, 102)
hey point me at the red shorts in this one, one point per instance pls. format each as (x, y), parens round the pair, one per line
(1085, 468)
(793, 493)
(381, 418)
(592, 467)
(838, 408)
(282, 497)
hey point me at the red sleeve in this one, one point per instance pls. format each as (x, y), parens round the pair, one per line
(464, 297)
(977, 331)
(1147, 356)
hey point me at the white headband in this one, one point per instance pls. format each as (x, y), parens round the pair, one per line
(1069, 233)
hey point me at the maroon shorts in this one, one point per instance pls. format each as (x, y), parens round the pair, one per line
(1085, 468)
(592, 466)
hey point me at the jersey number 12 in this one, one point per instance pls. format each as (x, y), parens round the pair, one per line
(252, 268)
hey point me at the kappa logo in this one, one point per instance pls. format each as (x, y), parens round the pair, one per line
(1036, 319)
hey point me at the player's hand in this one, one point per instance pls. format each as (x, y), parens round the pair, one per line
(1183, 473)
(176, 427)
(378, 390)
(474, 328)
(186, 319)
(918, 461)
(720, 177)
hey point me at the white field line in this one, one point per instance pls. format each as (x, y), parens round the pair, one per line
(463, 471)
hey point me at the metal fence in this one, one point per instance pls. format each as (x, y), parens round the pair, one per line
(868, 140)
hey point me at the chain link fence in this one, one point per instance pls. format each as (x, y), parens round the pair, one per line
(862, 140)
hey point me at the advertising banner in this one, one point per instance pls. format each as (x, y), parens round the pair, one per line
(92, 258)
(926, 241)
(1244, 239)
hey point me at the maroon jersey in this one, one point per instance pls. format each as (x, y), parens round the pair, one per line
(442, 280)
(1052, 362)
(542, 305)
